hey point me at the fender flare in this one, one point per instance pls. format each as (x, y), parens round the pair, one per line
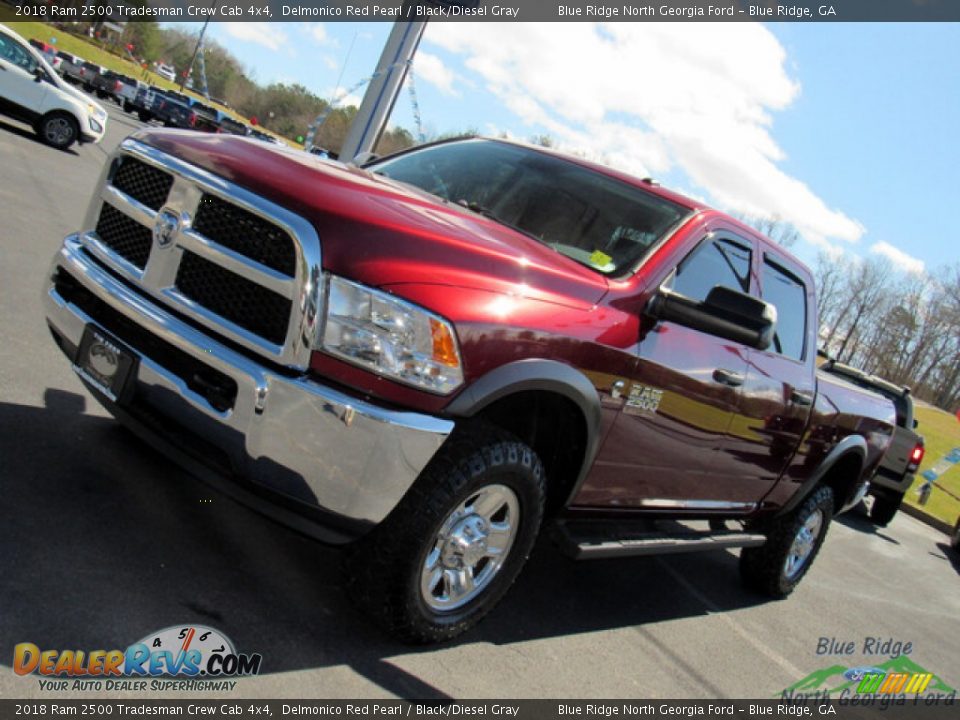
(540, 375)
(850, 445)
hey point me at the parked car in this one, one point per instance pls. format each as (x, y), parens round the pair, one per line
(265, 137)
(173, 112)
(896, 473)
(31, 91)
(73, 68)
(435, 356)
(126, 93)
(143, 101)
(167, 72)
(89, 72)
(231, 126)
(65, 60)
(109, 84)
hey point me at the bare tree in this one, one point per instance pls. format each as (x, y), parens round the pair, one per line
(774, 227)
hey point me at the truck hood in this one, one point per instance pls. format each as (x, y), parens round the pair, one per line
(380, 232)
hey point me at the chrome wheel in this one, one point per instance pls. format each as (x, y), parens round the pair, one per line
(58, 131)
(803, 544)
(470, 548)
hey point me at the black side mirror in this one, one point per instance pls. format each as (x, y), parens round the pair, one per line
(38, 74)
(725, 313)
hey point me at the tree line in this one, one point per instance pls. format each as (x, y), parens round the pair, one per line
(286, 109)
(904, 327)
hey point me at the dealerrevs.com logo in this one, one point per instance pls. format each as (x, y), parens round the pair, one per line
(182, 657)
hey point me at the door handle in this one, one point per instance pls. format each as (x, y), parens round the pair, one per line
(799, 398)
(728, 377)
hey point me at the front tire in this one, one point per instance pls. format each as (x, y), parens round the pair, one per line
(793, 541)
(451, 549)
(885, 508)
(59, 130)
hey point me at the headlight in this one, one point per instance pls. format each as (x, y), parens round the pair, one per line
(95, 126)
(391, 337)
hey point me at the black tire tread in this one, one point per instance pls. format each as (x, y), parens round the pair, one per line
(376, 572)
(761, 568)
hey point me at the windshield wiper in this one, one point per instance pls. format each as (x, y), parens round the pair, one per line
(488, 213)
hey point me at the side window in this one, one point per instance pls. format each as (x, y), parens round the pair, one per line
(14, 52)
(788, 294)
(715, 262)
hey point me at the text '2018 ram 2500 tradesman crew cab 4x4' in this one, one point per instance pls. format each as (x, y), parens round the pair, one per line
(432, 357)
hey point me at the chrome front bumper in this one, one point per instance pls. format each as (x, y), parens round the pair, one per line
(291, 435)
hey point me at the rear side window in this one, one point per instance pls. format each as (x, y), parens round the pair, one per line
(787, 293)
(715, 262)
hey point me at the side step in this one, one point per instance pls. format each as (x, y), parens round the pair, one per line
(584, 542)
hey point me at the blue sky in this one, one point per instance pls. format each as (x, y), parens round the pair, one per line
(849, 131)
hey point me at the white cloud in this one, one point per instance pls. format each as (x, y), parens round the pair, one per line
(267, 34)
(651, 97)
(901, 260)
(431, 69)
(318, 33)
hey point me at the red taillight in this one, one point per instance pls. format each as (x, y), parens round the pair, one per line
(917, 455)
(116, 87)
(193, 119)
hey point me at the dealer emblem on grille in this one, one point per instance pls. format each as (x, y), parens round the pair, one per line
(165, 228)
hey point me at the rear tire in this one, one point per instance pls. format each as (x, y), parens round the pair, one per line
(127, 107)
(144, 116)
(885, 508)
(793, 541)
(453, 546)
(58, 129)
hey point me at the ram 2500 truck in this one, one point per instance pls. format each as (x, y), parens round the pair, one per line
(433, 357)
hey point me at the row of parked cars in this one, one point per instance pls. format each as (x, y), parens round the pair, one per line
(148, 102)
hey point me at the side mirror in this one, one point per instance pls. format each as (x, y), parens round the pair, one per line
(38, 74)
(725, 313)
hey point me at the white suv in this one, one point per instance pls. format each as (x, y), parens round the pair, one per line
(167, 72)
(31, 91)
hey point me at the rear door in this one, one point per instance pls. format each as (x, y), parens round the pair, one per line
(781, 383)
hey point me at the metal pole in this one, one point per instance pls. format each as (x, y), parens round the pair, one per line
(196, 49)
(383, 90)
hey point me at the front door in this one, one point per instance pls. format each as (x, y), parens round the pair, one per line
(18, 85)
(663, 448)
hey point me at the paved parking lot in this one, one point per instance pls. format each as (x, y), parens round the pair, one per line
(103, 541)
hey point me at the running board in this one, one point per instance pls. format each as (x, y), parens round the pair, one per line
(580, 546)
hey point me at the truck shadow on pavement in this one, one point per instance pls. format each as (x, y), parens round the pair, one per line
(857, 519)
(104, 541)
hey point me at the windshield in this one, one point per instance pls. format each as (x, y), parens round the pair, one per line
(594, 219)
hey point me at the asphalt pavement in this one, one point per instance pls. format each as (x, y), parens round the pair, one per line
(103, 541)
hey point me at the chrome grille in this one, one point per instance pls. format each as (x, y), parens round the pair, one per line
(125, 236)
(232, 261)
(234, 298)
(245, 233)
(142, 182)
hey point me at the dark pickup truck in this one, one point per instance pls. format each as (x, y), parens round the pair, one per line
(900, 463)
(174, 110)
(434, 357)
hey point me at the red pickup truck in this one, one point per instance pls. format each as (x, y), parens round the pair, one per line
(433, 357)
